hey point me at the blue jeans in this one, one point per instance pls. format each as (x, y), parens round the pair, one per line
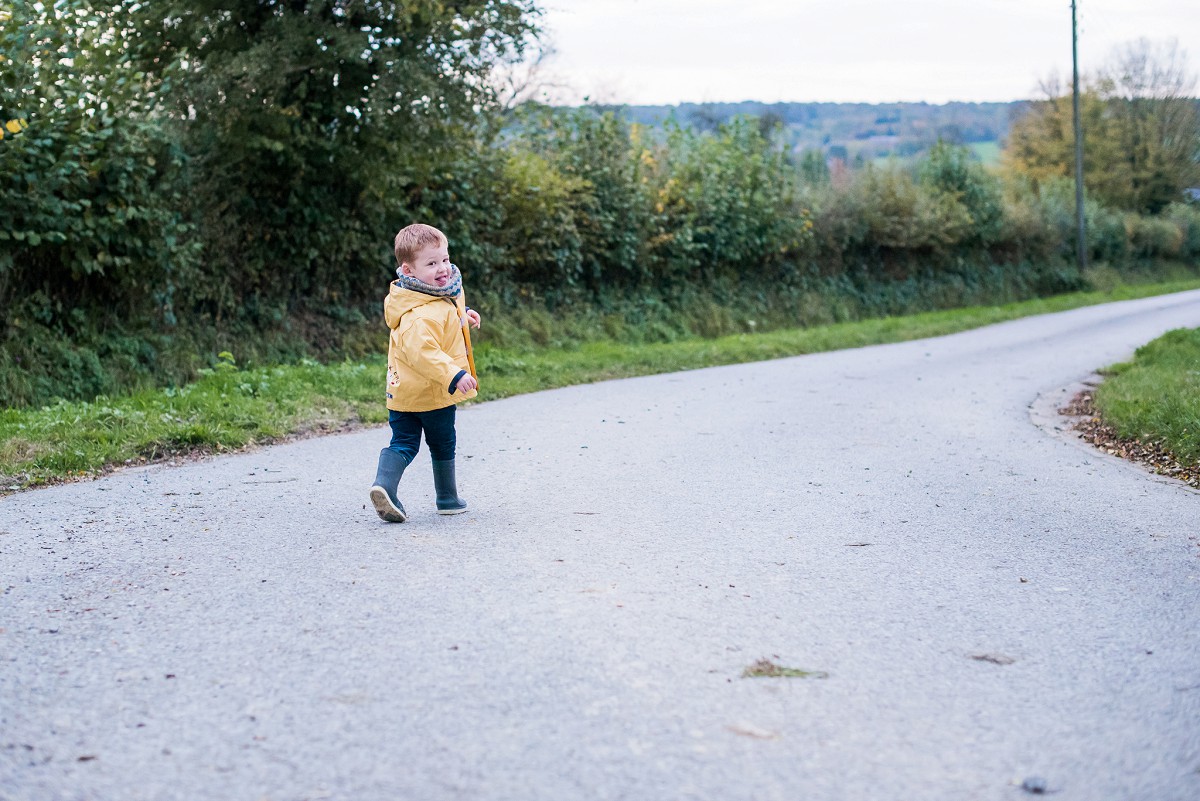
(438, 426)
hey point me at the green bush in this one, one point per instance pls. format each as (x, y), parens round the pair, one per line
(539, 231)
(1153, 237)
(953, 172)
(885, 217)
(721, 203)
(1026, 235)
(91, 228)
(614, 215)
(1187, 217)
(1106, 235)
(90, 222)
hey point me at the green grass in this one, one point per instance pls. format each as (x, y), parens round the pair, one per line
(1155, 397)
(508, 372)
(229, 409)
(226, 410)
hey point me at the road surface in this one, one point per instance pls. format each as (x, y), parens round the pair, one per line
(979, 600)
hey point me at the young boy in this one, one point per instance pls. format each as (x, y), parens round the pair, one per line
(430, 367)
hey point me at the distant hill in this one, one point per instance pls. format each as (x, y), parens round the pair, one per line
(856, 132)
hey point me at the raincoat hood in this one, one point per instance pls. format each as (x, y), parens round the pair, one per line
(400, 301)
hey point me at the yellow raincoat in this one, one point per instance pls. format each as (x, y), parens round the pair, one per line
(428, 347)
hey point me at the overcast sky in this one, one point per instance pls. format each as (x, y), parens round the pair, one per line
(673, 51)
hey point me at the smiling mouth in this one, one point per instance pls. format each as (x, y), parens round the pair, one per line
(441, 280)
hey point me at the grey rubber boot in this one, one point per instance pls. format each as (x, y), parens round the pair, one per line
(448, 502)
(387, 479)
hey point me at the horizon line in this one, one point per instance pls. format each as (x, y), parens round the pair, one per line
(586, 103)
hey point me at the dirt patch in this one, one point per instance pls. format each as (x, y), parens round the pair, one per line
(765, 668)
(1089, 424)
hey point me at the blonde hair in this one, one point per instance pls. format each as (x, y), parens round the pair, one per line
(413, 238)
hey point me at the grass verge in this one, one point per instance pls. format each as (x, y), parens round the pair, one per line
(1155, 397)
(230, 409)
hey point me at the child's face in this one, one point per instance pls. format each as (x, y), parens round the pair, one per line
(430, 265)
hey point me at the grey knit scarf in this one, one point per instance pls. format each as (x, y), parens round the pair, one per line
(450, 290)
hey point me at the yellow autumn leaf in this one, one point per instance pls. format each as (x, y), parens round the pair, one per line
(13, 126)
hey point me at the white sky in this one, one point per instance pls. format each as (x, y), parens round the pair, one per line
(673, 51)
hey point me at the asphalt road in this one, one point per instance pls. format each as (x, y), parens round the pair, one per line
(981, 599)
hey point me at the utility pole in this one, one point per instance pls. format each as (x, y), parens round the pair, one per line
(1080, 225)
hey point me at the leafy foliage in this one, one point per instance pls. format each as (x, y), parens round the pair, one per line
(179, 178)
(953, 174)
(726, 206)
(89, 198)
(336, 108)
(1141, 131)
(94, 247)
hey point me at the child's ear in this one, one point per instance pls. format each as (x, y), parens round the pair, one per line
(406, 268)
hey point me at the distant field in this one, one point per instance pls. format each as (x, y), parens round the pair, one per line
(988, 152)
(896, 161)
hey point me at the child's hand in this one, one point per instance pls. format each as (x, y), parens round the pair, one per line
(467, 383)
(473, 316)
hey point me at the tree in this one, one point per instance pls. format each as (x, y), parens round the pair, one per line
(89, 179)
(1141, 130)
(1155, 121)
(526, 82)
(309, 122)
(814, 168)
